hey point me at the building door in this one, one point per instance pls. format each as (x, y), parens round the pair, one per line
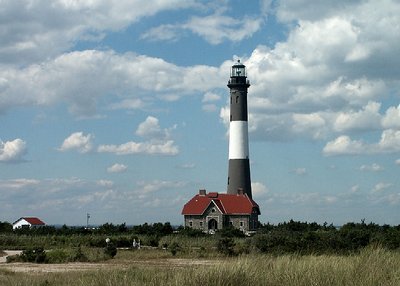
(212, 224)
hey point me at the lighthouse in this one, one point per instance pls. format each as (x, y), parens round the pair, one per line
(239, 165)
(211, 211)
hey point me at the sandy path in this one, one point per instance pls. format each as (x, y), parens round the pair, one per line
(122, 264)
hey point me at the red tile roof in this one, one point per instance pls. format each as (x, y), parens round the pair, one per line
(228, 204)
(33, 220)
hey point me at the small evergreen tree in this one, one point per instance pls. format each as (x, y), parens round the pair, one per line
(226, 246)
(110, 250)
(174, 248)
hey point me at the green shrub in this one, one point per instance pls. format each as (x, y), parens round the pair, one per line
(226, 246)
(97, 241)
(79, 256)
(191, 232)
(231, 232)
(37, 255)
(174, 248)
(110, 250)
(14, 258)
(153, 241)
(58, 256)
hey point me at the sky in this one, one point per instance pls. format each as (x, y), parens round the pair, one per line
(120, 108)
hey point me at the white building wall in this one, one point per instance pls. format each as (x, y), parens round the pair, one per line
(21, 223)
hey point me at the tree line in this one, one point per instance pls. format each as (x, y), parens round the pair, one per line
(302, 237)
(287, 237)
(158, 228)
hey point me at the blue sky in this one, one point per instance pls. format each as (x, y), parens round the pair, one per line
(120, 108)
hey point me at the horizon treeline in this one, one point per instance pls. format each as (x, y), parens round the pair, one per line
(287, 237)
(166, 228)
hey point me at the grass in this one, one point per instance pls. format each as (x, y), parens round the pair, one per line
(372, 266)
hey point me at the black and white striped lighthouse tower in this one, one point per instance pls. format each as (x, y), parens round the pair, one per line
(239, 165)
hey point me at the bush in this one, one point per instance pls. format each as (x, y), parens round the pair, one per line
(79, 256)
(226, 246)
(57, 256)
(174, 248)
(153, 241)
(37, 255)
(191, 232)
(110, 250)
(5, 227)
(231, 232)
(14, 258)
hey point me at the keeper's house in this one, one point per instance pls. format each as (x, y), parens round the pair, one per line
(28, 222)
(214, 211)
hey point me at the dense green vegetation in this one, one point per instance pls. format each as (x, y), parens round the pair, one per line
(290, 253)
(288, 237)
(307, 238)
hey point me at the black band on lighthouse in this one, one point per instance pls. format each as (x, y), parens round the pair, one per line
(238, 104)
(239, 176)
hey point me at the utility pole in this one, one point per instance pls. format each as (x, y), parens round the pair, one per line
(87, 220)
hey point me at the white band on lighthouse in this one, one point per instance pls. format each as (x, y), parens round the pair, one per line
(238, 140)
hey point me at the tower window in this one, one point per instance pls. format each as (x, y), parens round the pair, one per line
(237, 99)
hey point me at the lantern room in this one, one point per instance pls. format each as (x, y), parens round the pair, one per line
(238, 70)
(238, 76)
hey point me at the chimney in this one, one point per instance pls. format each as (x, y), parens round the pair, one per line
(202, 192)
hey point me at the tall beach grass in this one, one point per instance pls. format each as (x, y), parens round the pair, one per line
(372, 266)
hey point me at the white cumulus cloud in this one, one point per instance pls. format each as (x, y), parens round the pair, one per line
(12, 151)
(158, 143)
(117, 168)
(388, 143)
(152, 148)
(344, 145)
(80, 79)
(368, 118)
(77, 141)
(150, 128)
(259, 190)
(50, 28)
(215, 28)
(392, 117)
